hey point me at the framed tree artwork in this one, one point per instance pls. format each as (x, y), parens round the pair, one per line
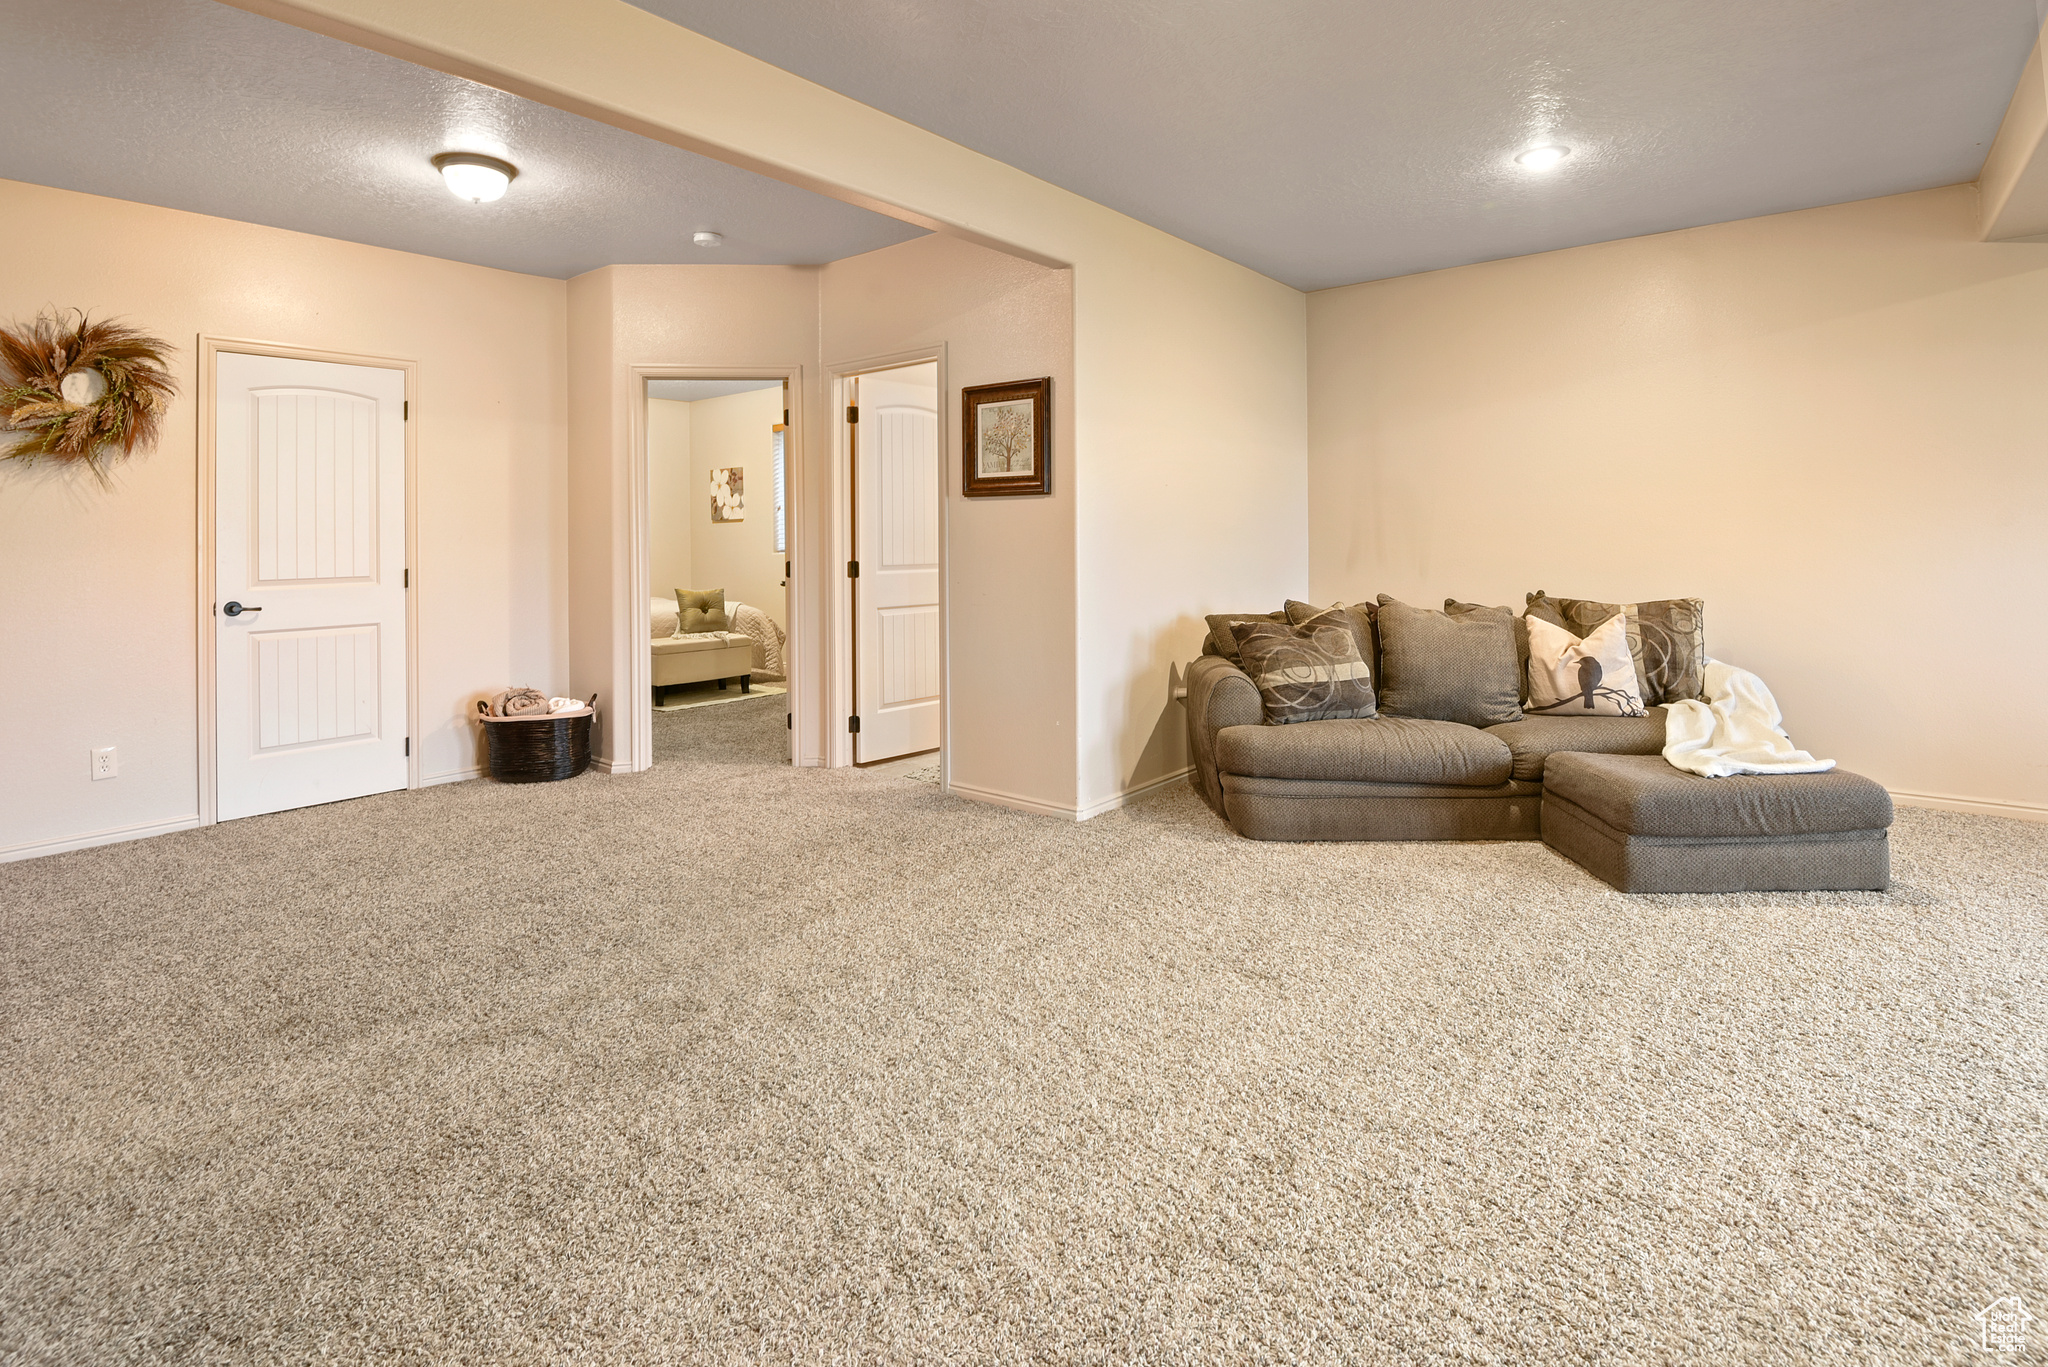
(1007, 431)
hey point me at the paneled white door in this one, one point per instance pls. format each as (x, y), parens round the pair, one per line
(309, 583)
(896, 597)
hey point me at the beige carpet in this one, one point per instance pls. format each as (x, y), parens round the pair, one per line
(734, 1063)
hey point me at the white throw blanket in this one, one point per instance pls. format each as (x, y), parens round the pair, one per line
(1735, 731)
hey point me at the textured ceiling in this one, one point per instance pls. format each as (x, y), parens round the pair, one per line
(1329, 141)
(193, 105)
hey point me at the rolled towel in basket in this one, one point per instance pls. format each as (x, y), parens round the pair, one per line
(565, 705)
(520, 702)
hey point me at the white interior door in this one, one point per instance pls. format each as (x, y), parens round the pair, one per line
(896, 539)
(309, 583)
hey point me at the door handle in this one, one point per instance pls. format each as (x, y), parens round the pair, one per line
(234, 609)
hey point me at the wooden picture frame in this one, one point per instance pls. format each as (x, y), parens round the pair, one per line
(1006, 439)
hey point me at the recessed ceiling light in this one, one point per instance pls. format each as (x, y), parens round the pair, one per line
(474, 176)
(708, 239)
(1542, 158)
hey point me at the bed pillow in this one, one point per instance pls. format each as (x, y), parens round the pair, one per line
(1571, 677)
(701, 610)
(1221, 642)
(1313, 672)
(1441, 668)
(1667, 639)
(663, 617)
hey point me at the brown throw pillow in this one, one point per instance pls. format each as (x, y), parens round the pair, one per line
(701, 610)
(1221, 642)
(1454, 608)
(1667, 639)
(1311, 672)
(1442, 668)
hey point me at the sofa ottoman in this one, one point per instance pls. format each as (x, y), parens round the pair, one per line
(1638, 823)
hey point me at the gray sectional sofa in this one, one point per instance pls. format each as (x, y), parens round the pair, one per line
(1383, 778)
(1614, 805)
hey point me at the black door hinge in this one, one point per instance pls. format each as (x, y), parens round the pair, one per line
(408, 747)
(408, 577)
(853, 569)
(785, 569)
(407, 415)
(785, 417)
(853, 412)
(853, 725)
(789, 720)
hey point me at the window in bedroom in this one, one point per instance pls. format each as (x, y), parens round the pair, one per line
(781, 519)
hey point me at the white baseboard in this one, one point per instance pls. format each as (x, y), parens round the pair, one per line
(459, 776)
(1940, 802)
(1094, 809)
(997, 797)
(1110, 804)
(113, 835)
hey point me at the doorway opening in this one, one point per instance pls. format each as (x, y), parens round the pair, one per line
(896, 644)
(720, 463)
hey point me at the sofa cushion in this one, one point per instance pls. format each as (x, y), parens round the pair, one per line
(1313, 672)
(1219, 641)
(1383, 750)
(1667, 639)
(1534, 739)
(1441, 668)
(1643, 795)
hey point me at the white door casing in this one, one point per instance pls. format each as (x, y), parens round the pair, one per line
(896, 541)
(309, 536)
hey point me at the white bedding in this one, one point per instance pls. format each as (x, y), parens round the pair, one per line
(767, 637)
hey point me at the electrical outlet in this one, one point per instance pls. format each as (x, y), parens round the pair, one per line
(106, 762)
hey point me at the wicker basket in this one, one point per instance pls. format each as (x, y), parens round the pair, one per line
(538, 749)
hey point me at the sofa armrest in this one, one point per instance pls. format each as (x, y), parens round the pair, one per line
(1219, 695)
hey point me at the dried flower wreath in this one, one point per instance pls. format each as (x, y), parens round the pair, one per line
(75, 389)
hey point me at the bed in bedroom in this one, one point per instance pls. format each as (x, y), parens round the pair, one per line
(751, 649)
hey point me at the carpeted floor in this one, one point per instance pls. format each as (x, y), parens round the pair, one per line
(729, 1062)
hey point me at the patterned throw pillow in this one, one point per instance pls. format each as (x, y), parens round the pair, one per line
(701, 611)
(1571, 677)
(1442, 668)
(1667, 639)
(1359, 616)
(1311, 672)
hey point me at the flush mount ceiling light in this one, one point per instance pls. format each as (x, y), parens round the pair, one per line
(474, 176)
(1543, 158)
(708, 239)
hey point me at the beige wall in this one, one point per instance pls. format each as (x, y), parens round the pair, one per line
(719, 318)
(669, 489)
(1187, 465)
(98, 586)
(1010, 625)
(1832, 425)
(739, 557)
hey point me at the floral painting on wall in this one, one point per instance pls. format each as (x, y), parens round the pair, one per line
(728, 488)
